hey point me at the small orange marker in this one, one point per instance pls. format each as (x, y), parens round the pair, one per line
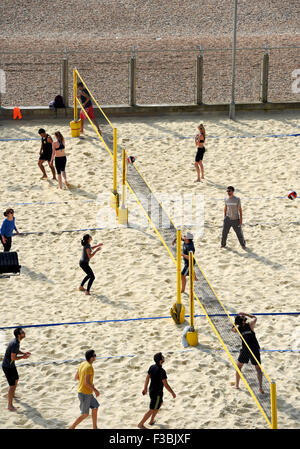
(17, 114)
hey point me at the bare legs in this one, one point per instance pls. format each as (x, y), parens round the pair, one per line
(199, 170)
(147, 415)
(258, 372)
(53, 170)
(95, 123)
(41, 166)
(183, 283)
(60, 179)
(85, 415)
(11, 394)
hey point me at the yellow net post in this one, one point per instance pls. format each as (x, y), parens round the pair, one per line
(123, 211)
(75, 124)
(178, 267)
(75, 95)
(192, 335)
(274, 405)
(114, 201)
(178, 309)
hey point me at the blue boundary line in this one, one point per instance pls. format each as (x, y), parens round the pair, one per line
(7, 139)
(60, 362)
(144, 319)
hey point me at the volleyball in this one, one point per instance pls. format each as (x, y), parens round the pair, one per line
(131, 160)
(292, 195)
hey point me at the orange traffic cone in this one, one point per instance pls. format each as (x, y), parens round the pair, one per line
(17, 114)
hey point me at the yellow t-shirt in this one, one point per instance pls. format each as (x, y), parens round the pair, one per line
(84, 369)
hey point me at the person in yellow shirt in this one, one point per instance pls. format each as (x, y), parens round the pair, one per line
(85, 376)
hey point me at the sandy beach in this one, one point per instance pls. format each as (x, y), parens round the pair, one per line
(136, 278)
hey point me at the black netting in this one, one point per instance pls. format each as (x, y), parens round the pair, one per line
(202, 289)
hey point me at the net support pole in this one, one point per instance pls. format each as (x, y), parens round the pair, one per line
(178, 309)
(65, 82)
(199, 77)
(114, 200)
(232, 102)
(123, 211)
(178, 301)
(264, 77)
(192, 335)
(75, 94)
(274, 405)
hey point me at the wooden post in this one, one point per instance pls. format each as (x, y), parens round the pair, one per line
(65, 82)
(264, 77)
(199, 77)
(132, 79)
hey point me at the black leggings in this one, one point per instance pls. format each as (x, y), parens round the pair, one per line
(89, 277)
(60, 164)
(6, 245)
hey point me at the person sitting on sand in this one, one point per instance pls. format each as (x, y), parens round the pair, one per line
(46, 153)
(158, 378)
(247, 332)
(199, 141)
(84, 262)
(58, 152)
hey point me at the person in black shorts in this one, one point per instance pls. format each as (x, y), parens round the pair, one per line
(59, 155)
(158, 378)
(199, 141)
(9, 367)
(46, 153)
(84, 262)
(247, 332)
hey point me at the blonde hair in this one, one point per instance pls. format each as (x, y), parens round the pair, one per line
(202, 129)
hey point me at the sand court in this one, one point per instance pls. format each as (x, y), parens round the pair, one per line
(136, 278)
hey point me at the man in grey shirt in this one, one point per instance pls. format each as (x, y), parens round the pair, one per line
(8, 364)
(233, 218)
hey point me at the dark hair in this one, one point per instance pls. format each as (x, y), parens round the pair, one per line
(59, 136)
(85, 239)
(41, 131)
(230, 188)
(89, 354)
(8, 211)
(18, 331)
(158, 357)
(80, 84)
(239, 320)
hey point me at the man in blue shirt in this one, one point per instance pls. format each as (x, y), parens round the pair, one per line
(9, 367)
(7, 228)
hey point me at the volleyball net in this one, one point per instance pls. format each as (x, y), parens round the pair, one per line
(108, 135)
(212, 307)
(215, 312)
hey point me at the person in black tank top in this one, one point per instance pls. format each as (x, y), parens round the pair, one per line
(249, 340)
(46, 153)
